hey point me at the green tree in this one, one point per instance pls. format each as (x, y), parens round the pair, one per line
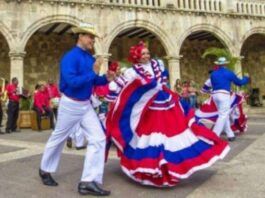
(221, 52)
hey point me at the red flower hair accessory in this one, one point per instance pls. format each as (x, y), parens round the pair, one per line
(135, 52)
(113, 66)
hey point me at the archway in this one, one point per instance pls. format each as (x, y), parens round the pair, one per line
(4, 58)
(192, 65)
(253, 62)
(119, 48)
(44, 50)
(162, 36)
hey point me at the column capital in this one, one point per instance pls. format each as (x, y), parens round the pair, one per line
(16, 55)
(240, 58)
(105, 56)
(173, 57)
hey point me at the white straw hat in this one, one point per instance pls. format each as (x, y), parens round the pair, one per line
(85, 28)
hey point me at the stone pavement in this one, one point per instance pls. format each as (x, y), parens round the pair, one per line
(240, 175)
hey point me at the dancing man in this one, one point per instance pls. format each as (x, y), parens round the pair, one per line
(221, 79)
(78, 74)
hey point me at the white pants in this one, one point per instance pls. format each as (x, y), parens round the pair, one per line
(71, 114)
(78, 137)
(223, 102)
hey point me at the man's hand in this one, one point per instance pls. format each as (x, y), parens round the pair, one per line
(97, 65)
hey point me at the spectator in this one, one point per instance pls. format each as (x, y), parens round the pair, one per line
(178, 86)
(192, 94)
(13, 106)
(53, 93)
(41, 106)
(185, 91)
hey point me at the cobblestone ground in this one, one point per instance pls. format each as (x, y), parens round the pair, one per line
(240, 174)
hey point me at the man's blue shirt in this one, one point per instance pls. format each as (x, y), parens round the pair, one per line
(77, 76)
(223, 77)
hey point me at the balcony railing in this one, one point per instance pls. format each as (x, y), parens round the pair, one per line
(200, 5)
(250, 8)
(145, 3)
(195, 5)
(237, 7)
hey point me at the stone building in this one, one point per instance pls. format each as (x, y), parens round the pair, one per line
(34, 34)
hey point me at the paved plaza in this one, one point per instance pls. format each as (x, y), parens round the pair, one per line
(240, 175)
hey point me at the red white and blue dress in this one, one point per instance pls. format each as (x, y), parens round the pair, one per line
(208, 113)
(159, 143)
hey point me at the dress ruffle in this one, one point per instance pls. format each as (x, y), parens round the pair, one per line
(159, 145)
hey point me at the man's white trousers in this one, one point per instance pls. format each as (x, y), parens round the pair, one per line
(222, 100)
(78, 137)
(72, 113)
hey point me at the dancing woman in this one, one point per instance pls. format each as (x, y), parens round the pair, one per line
(157, 137)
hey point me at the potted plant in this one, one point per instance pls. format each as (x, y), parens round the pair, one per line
(24, 119)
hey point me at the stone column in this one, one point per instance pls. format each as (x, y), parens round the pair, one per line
(238, 67)
(104, 66)
(17, 66)
(173, 69)
(238, 70)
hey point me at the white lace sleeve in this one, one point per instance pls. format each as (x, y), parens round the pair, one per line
(128, 76)
(113, 86)
(161, 65)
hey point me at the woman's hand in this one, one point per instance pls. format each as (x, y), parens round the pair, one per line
(111, 75)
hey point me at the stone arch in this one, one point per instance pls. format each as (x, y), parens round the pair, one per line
(6, 45)
(5, 31)
(48, 20)
(256, 30)
(221, 35)
(252, 51)
(161, 35)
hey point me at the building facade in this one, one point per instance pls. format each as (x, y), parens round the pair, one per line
(34, 34)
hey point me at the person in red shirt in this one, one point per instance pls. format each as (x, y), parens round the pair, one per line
(13, 106)
(53, 93)
(41, 105)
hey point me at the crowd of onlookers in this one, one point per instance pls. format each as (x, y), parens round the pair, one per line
(188, 92)
(45, 100)
(46, 96)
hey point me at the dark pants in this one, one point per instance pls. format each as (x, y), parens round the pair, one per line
(193, 101)
(48, 112)
(12, 115)
(55, 111)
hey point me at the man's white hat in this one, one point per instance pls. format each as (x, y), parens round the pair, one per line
(85, 28)
(221, 61)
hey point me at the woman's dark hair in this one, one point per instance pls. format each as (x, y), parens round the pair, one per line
(14, 79)
(37, 86)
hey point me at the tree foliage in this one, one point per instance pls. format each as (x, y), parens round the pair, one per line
(221, 52)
